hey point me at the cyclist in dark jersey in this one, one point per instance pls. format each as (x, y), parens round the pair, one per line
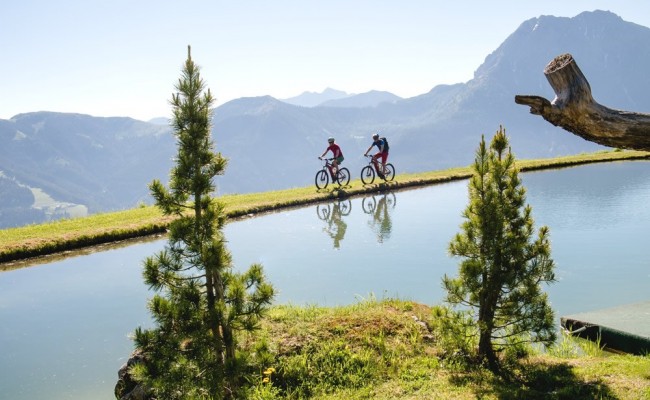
(381, 154)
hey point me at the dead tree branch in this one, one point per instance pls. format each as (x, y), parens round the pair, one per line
(575, 110)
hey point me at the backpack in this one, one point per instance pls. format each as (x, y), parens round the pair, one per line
(386, 146)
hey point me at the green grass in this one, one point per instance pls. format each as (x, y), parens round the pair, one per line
(390, 349)
(36, 240)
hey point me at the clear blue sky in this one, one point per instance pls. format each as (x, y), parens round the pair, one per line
(123, 57)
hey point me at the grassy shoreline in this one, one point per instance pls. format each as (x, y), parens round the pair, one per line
(71, 234)
(392, 349)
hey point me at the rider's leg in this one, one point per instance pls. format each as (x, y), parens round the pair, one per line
(375, 163)
(379, 168)
(384, 158)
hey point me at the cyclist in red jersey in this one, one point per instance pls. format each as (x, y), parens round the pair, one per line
(337, 154)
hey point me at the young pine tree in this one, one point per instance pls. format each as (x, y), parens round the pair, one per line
(202, 304)
(503, 264)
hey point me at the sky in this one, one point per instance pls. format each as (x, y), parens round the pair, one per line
(110, 58)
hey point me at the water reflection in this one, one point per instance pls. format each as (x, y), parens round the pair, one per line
(332, 213)
(378, 206)
(84, 251)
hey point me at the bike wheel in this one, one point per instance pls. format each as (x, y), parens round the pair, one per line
(389, 172)
(323, 211)
(367, 175)
(322, 179)
(345, 207)
(368, 204)
(343, 176)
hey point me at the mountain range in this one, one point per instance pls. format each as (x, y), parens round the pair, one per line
(312, 99)
(106, 163)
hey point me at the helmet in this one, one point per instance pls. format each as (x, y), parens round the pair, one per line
(330, 139)
(375, 135)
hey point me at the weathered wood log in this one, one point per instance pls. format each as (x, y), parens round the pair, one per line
(575, 110)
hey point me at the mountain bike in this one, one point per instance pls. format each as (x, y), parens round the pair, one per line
(368, 172)
(323, 176)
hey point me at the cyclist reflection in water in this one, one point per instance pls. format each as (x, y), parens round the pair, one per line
(381, 222)
(336, 227)
(382, 219)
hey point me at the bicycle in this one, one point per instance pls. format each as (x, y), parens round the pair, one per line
(323, 176)
(368, 172)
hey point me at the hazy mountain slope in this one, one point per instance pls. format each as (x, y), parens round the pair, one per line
(106, 163)
(103, 163)
(369, 99)
(271, 144)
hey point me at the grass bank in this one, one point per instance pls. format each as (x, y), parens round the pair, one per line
(391, 349)
(37, 240)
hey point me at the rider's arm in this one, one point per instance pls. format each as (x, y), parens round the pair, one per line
(366, 153)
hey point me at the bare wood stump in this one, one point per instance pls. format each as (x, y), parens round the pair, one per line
(575, 110)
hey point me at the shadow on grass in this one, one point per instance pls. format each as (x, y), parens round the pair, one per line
(534, 381)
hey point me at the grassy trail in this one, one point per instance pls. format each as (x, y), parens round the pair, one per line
(37, 240)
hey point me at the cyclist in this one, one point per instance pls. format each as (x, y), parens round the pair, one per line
(382, 145)
(337, 156)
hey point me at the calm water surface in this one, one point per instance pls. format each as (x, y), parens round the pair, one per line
(65, 325)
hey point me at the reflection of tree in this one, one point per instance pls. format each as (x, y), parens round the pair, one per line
(381, 222)
(332, 213)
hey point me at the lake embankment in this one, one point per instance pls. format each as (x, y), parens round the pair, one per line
(70, 234)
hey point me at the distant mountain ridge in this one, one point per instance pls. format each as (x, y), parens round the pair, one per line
(336, 98)
(372, 98)
(313, 99)
(106, 163)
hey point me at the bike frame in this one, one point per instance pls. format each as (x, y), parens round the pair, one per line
(329, 165)
(375, 161)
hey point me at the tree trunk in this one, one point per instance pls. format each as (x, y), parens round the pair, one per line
(487, 306)
(231, 360)
(486, 351)
(575, 110)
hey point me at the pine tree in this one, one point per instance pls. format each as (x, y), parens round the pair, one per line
(503, 264)
(201, 303)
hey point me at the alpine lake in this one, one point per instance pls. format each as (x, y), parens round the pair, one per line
(66, 321)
